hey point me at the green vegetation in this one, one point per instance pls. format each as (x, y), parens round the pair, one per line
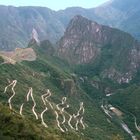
(41, 75)
(13, 126)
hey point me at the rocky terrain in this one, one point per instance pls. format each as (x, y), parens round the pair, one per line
(86, 86)
(51, 24)
(86, 41)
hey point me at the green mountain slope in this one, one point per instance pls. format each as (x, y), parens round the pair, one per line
(43, 74)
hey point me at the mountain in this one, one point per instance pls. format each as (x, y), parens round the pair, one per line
(59, 100)
(106, 49)
(17, 25)
(105, 59)
(44, 93)
(84, 87)
(121, 14)
(49, 24)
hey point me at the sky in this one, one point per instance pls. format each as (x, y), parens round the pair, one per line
(54, 4)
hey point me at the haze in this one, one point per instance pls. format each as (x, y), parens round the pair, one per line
(54, 4)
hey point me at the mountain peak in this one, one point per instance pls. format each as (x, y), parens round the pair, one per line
(81, 36)
(86, 41)
(81, 26)
(78, 19)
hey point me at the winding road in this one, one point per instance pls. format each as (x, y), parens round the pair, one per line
(70, 118)
(121, 122)
(21, 109)
(30, 94)
(63, 101)
(33, 108)
(42, 119)
(27, 99)
(135, 122)
(60, 109)
(79, 119)
(44, 98)
(82, 123)
(58, 123)
(13, 84)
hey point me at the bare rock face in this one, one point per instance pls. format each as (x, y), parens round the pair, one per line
(115, 54)
(26, 54)
(84, 39)
(35, 35)
(78, 44)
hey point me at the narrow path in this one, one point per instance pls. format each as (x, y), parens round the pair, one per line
(64, 120)
(70, 117)
(42, 119)
(76, 125)
(81, 109)
(69, 121)
(121, 122)
(27, 99)
(136, 125)
(28, 95)
(21, 109)
(33, 108)
(58, 123)
(13, 84)
(44, 98)
(59, 109)
(82, 123)
(79, 119)
(61, 112)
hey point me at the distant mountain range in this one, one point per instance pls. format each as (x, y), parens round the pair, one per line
(85, 87)
(16, 23)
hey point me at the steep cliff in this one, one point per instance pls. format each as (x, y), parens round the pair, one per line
(114, 52)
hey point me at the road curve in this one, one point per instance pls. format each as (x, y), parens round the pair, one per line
(82, 123)
(61, 110)
(21, 109)
(33, 108)
(58, 123)
(79, 119)
(13, 84)
(46, 98)
(70, 117)
(42, 119)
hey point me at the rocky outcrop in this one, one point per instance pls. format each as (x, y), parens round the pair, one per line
(16, 23)
(116, 54)
(27, 54)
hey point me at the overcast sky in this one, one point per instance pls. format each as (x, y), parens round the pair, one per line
(54, 4)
